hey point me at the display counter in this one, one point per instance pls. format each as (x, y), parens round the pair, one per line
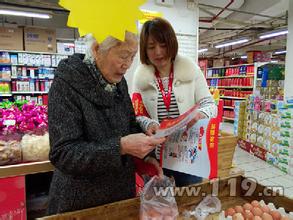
(231, 191)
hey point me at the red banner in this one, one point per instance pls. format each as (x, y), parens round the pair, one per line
(138, 105)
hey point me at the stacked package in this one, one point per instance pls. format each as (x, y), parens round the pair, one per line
(268, 124)
(270, 81)
(239, 114)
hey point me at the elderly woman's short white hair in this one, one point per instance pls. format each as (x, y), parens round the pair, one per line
(106, 45)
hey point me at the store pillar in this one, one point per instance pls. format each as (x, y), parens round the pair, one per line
(289, 56)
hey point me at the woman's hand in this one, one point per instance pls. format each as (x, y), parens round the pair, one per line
(152, 129)
(199, 115)
(139, 145)
(156, 164)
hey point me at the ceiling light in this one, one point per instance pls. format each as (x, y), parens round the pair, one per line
(232, 42)
(24, 14)
(280, 52)
(274, 33)
(243, 57)
(202, 50)
(274, 61)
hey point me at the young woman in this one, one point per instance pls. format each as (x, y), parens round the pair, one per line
(167, 84)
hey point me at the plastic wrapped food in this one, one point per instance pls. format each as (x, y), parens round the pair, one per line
(35, 147)
(10, 152)
(157, 200)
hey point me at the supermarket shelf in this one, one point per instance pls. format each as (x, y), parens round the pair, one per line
(26, 65)
(228, 107)
(229, 77)
(27, 77)
(27, 92)
(34, 52)
(25, 168)
(5, 94)
(5, 80)
(5, 64)
(231, 97)
(222, 67)
(233, 87)
(227, 118)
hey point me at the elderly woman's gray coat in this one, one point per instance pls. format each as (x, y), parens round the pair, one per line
(85, 126)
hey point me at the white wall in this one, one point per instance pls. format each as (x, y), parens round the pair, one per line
(182, 19)
(289, 55)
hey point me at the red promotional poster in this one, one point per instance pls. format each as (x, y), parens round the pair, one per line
(193, 151)
(12, 198)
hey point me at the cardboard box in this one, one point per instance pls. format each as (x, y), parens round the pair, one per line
(11, 38)
(218, 62)
(40, 39)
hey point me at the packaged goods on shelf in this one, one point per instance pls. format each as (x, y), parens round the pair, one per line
(35, 147)
(10, 151)
(268, 125)
(23, 134)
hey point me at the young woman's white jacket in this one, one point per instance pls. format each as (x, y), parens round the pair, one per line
(189, 87)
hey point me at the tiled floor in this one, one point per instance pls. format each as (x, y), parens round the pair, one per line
(263, 172)
(260, 170)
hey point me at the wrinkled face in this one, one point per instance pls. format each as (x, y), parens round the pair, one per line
(114, 63)
(157, 53)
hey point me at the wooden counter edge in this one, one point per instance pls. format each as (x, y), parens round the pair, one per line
(25, 169)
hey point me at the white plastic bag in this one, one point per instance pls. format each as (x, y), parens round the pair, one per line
(209, 205)
(157, 200)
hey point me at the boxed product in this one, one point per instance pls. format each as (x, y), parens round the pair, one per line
(39, 39)
(11, 38)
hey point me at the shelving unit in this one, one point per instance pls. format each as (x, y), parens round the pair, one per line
(25, 169)
(5, 94)
(233, 87)
(227, 118)
(30, 92)
(229, 77)
(231, 97)
(26, 74)
(234, 82)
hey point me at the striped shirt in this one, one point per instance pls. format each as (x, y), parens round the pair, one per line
(162, 110)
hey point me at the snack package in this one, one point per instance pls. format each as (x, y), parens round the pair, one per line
(35, 147)
(157, 201)
(10, 150)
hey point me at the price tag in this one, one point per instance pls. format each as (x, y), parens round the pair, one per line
(9, 122)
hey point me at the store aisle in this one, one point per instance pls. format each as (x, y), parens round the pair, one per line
(263, 172)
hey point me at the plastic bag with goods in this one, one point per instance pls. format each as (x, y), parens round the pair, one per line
(157, 200)
(10, 150)
(35, 147)
(209, 205)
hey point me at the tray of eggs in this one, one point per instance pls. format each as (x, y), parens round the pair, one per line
(255, 211)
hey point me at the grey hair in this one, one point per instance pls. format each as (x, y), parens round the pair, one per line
(106, 45)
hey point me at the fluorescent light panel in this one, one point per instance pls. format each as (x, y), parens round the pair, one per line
(202, 50)
(24, 14)
(243, 57)
(274, 33)
(281, 52)
(231, 43)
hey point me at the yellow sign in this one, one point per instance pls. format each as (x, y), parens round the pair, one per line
(149, 15)
(103, 18)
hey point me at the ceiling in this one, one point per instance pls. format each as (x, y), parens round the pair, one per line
(242, 18)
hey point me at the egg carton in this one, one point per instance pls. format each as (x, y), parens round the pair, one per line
(281, 210)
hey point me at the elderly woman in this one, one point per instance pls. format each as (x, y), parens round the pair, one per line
(92, 127)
